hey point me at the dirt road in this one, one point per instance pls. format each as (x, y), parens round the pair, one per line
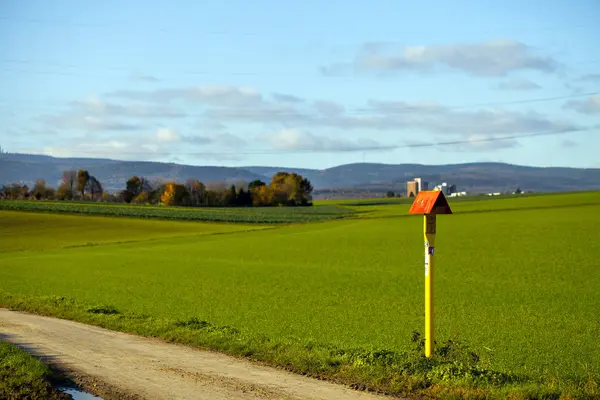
(122, 364)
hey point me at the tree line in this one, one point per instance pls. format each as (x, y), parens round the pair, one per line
(284, 189)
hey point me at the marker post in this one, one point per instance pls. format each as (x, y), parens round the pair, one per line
(429, 203)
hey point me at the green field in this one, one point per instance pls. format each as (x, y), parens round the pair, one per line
(35, 232)
(517, 280)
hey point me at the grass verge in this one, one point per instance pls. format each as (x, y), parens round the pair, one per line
(454, 371)
(23, 376)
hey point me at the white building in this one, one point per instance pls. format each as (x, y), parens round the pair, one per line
(421, 185)
(415, 186)
(442, 188)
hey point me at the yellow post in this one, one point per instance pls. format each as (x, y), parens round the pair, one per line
(429, 231)
(429, 204)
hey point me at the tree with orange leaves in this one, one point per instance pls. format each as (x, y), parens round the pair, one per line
(174, 194)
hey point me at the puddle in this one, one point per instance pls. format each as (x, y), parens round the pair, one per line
(79, 394)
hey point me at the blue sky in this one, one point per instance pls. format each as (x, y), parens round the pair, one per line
(303, 84)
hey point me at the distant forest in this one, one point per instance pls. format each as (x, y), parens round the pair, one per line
(284, 189)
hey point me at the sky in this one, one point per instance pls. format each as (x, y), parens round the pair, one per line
(305, 84)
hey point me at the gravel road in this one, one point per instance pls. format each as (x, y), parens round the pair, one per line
(119, 365)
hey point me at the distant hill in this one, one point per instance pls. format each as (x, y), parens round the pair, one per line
(473, 177)
(112, 173)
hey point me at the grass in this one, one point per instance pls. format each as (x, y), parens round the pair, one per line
(272, 215)
(341, 299)
(41, 231)
(25, 377)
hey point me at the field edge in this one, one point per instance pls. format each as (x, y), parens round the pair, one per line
(22, 375)
(410, 375)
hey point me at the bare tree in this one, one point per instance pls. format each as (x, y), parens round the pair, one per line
(196, 191)
(66, 188)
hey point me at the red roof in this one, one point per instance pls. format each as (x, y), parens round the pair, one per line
(430, 202)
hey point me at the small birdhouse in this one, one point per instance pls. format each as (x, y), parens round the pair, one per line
(430, 202)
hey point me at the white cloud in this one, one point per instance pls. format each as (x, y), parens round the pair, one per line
(260, 113)
(464, 130)
(151, 147)
(489, 58)
(131, 148)
(393, 107)
(591, 105)
(399, 116)
(167, 135)
(224, 139)
(228, 104)
(435, 118)
(95, 114)
(86, 148)
(227, 107)
(98, 107)
(293, 139)
(87, 123)
(287, 98)
(215, 95)
(116, 144)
